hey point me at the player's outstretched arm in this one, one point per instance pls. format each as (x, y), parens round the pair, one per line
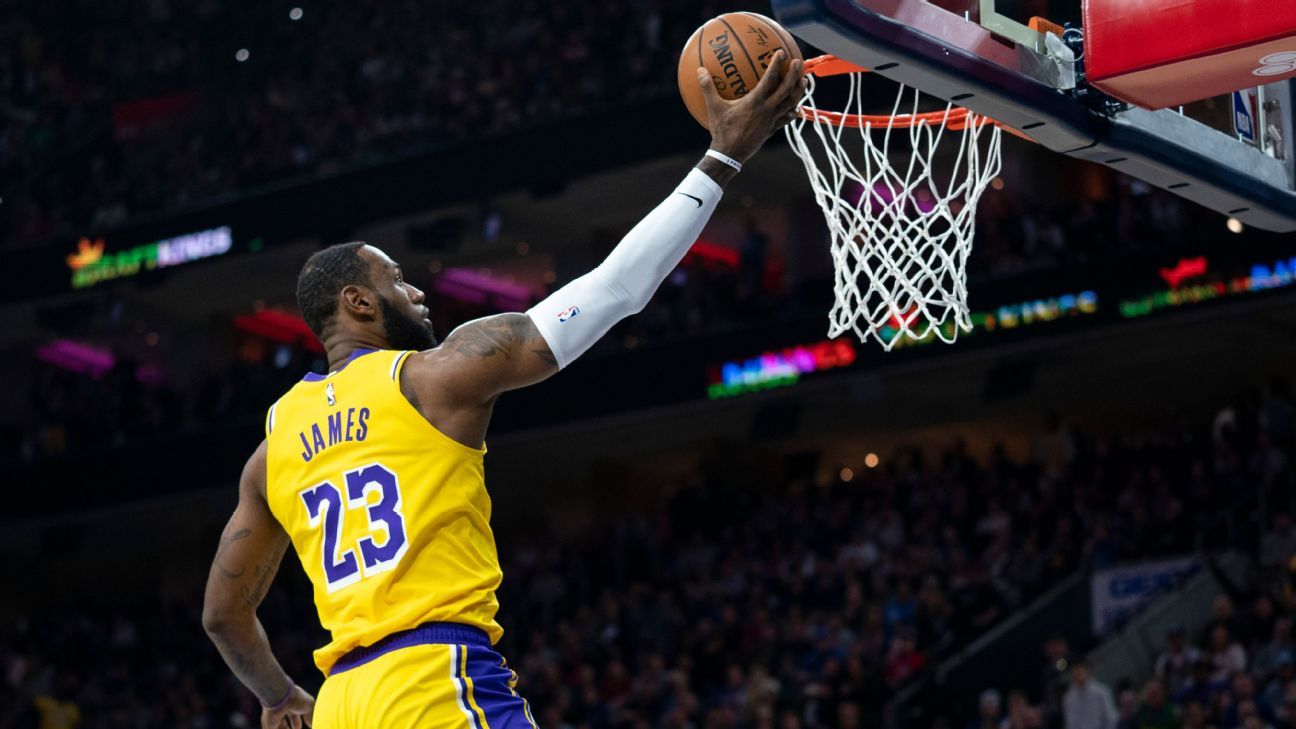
(488, 356)
(251, 548)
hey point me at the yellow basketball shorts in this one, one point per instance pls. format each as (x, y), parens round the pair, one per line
(436, 676)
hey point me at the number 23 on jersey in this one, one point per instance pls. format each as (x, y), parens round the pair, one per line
(326, 507)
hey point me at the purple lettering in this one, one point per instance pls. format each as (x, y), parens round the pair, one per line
(335, 428)
(363, 432)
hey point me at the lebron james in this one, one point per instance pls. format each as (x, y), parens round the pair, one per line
(373, 473)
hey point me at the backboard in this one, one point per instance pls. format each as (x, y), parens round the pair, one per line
(983, 55)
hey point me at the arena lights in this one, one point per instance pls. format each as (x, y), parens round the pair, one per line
(91, 265)
(89, 359)
(778, 369)
(712, 253)
(1263, 276)
(785, 368)
(1014, 316)
(478, 288)
(1186, 268)
(278, 326)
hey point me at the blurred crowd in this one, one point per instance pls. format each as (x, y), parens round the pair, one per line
(1237, 672)
(760, 593)
(1017, 232)
(112, 111)
(108, 111)
(68, 413)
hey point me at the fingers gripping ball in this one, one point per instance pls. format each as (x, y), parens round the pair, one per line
(735, 48)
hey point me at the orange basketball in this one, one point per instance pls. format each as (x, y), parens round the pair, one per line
(735, 48)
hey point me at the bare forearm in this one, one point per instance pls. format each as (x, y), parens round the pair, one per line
(247, 559)
(243, 644)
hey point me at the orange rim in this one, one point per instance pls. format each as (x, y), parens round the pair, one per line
(955, 118)
(830, 65)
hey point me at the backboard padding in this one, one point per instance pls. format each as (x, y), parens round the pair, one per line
(924, 46)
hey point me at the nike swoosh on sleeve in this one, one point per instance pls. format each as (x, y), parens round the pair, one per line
(697, 200)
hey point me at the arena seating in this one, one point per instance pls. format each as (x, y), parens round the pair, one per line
(740, 603)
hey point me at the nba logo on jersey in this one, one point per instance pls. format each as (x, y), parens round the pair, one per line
(568, 313)
(328, 392)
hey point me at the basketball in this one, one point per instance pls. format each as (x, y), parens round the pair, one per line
(735, 48)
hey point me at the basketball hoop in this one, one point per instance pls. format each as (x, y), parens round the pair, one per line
(901, 233)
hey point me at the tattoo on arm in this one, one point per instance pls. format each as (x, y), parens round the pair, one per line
(252, 538)
(264, 571)
(227, 540)
(488, 356)
(489, 337)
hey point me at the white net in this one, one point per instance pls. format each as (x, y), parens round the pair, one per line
(901, 231)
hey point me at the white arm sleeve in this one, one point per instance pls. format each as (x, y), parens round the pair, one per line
(577, 315)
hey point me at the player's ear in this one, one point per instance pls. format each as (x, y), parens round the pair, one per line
(359, 302)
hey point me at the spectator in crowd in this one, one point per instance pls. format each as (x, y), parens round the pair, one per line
(989, 711)
(1243, 700)
(1127, 705)
(1223, 614)
(1175, 663)
(1285, 712)
(903, 661)
(1283, 678)
(1278, 545)
(1021, 714)
(1088, 704)
(1226, 655)
(1055, 676)
(1156, 710)
(1196, 716)
(1258, 623)
(1201, 685)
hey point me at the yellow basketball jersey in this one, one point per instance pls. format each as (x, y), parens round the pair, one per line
(389, 516)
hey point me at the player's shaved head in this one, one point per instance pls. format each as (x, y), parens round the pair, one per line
(325, 274)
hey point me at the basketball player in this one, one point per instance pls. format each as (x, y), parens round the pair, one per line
(373, 473)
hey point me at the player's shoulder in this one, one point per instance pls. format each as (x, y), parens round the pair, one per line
(438, 380)
(255, 471)
(427, 365)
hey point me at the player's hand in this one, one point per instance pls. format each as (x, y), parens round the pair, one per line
(297, 712)
(740, 127)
